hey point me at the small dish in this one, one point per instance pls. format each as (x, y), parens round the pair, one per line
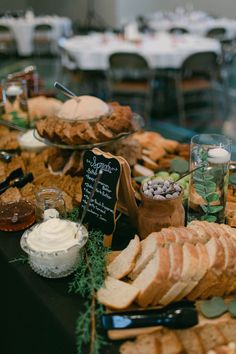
(59, 261)
(27, 141)
(15, 216)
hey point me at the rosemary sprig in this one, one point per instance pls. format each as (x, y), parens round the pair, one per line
(21, 259)
(88, 278)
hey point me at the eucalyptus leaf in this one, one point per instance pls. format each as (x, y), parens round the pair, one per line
(210, 184)
(213, 197)
(199, 187)
(232, 308)
(208, 177)
(215, 209)
(204, 208)
(210, 218)
(213, 308)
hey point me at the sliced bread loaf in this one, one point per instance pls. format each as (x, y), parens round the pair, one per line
(153, 278)
(187, 274)
(125, 261)
(116, 294)
(216, 262)
(148, 248)
(176, 264)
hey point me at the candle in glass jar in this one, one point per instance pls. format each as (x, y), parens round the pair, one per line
(218, 155)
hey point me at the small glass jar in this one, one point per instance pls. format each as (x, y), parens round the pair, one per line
(49, 204)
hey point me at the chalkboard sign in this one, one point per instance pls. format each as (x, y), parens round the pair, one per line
(101, 212)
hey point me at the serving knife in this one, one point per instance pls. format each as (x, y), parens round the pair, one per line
(178, 316)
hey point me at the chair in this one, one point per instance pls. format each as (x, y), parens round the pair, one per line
(43, 39)
(7, 41)
(217, 33)
(200, 74)
(178, 30)
(130, 80)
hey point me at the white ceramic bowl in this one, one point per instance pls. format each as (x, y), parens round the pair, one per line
(56, 264)
(27, 141)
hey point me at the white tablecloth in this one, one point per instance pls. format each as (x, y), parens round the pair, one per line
(161, 51)
(23, 30)
(195, 25)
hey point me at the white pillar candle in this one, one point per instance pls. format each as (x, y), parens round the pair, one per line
(218, 155)
(14, 90)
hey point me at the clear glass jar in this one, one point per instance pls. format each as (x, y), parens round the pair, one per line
(49, 204)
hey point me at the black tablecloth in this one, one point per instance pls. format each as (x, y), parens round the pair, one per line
(38, 315)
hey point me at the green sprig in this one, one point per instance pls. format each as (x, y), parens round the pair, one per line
(88, 278)
(21, 259)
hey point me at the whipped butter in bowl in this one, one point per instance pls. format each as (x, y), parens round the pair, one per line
(28, 142)
(53, 246)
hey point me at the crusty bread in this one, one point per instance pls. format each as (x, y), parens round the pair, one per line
(210, 336)
(125, 261)
(176, 263)
(195, 268)
(128, 348)
(187, 274)
(148, 248)
(216, 262)
(144, 344)
(170, 343)
(190, 341)
(116, 294)
(228, 328)
(224, 349)
(153, 278)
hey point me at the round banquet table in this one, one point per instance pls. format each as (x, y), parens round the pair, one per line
(194, 24)
(161, 50)
(23, 30)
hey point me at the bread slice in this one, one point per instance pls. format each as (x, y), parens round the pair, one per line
(224, 349)
(210, 336)
(216, 262)
(228, 328)
(125, 261)
(148, 343)
(176, 263)
(187, 274)
(198, 227)
(190, 341)
(153, 278)
(116, 294)
(168, 234)
(195, 268)
(201, 266)
(128, 348)
(144, 344)
(170, 343)
(148, 248)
